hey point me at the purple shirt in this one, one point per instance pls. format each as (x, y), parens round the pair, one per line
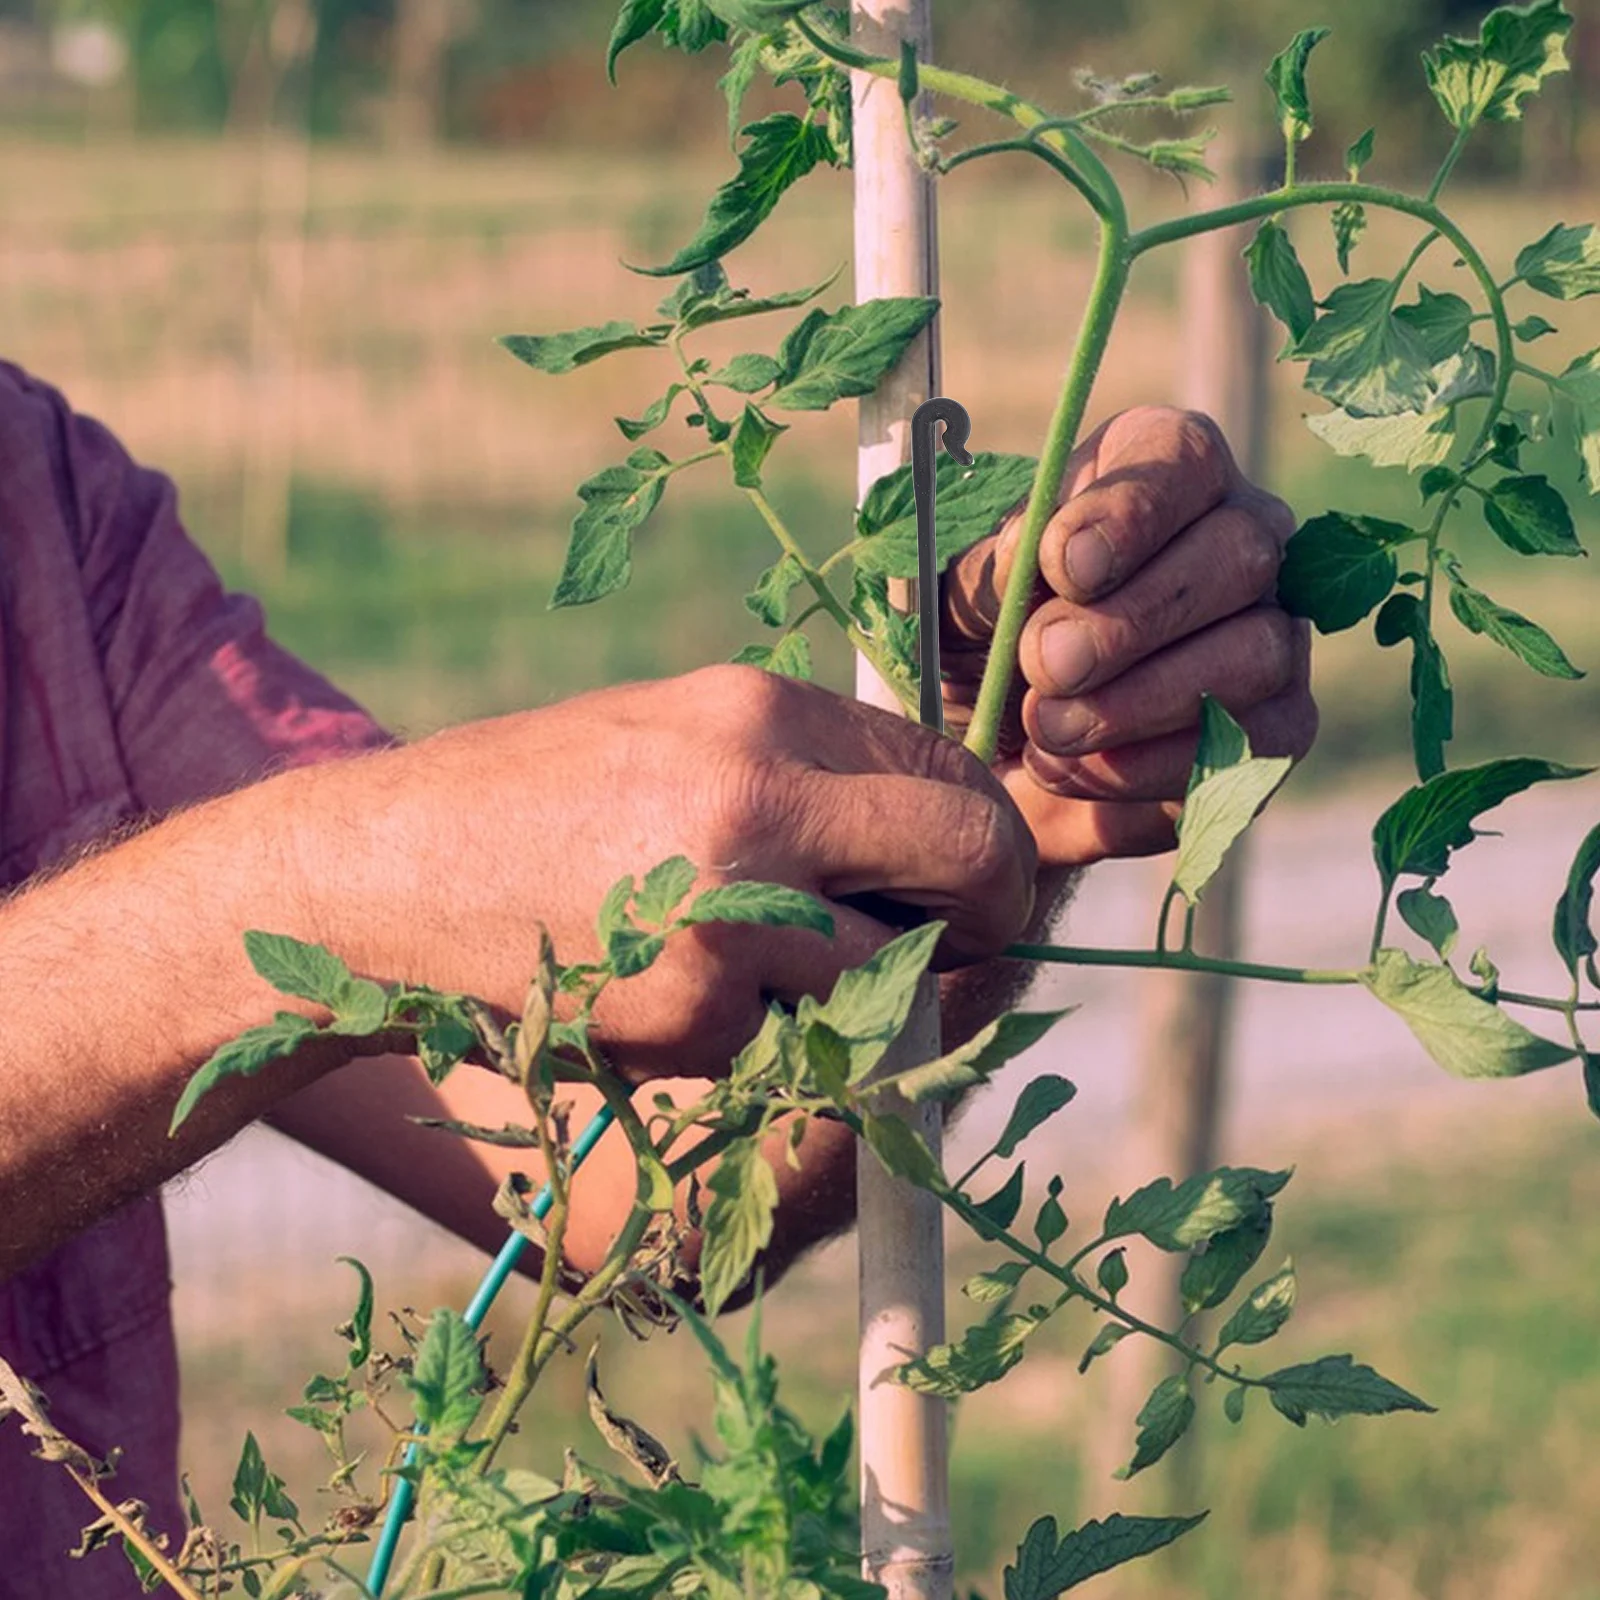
(130, 684)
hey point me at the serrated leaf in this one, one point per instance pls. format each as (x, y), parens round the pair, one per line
(791, 658)
(980, 1057)
(1489, 77)
(996, 1284)
(1528, 515)
(1001, 1208)
(1278, 281)
(1432, 700)
(1178, 1217)
(1564, 264)
(706, 297)
(1336, 1387)
(1526, 640)
(1361, 357)
(984, 1353)
(308, 971)
(664, 886)
(779, 151)
(243, 1057)
(869, 1004)
(1162, 1421)
(1463, 1033)
(446, 1379)
(599, 558)
(1264, 1311)
(1349, 223)
(1213, 1272)
(746, 374)
(1570, 930)
(753, 438)
(1227, 787)
(769, 600)
(900, 1148)
(773, 905)
(969, 505)
(1040, 1100)
(1286, 77)
(565, 352)
(1044, 1568)
(1579, 388)
(831, 356)
(1418, 832)
(1409, 439)
(737, 1224)
(1337, 567)
(1431, 917)
(1106, 1340)
(1441, 322)
(630, 951)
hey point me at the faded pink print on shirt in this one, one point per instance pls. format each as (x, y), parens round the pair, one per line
(130, 684)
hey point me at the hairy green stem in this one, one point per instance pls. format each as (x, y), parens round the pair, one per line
(1178, 961)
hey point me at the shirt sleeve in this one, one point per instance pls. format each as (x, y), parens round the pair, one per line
(203, 701)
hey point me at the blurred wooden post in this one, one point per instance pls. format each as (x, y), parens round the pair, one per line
(284, 193)
(421, 36)
(905, 1493)
(1185, 1019)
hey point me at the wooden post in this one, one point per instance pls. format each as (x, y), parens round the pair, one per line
(1185, 1018)
(905, 1495)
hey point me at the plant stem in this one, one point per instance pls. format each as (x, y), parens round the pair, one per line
(1179, 961)
(1105, 295)
(1448, 165)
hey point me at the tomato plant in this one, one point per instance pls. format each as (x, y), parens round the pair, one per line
(769, 1510)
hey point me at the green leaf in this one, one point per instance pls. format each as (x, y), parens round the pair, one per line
(1432, 702)
(630, 951)
(1431, 917)
(980, 1058)
(705, 297)
(636, 21)
(1362, 357)
(969, 505)
(308, 971)
(987, 1287)
(1573, 937)
(869, 1004)
(1417, 833)
(1359, 154)
(1278, 281)
(1564, 264)
(358, 1330)
(1531, 328)
(1162, 1421)
(1178, 1217)
(1112, 1271)
(1233, 1403)
(565, 352)
(1265, 1309)
(663, 888)
(446, 1379)
(737, 1225)
(1336, 1387)
(1286, 77)
(1051, 1223)
(243, 1057)
(1040, 1100)
(833, 356)
(655, 414)
(258, 1492)
(1001, 1208)
(1477, 613)
(1529, 516)
(791, 658)
(1591, 1082)
(1489, 77)
(752, 439)
(1045, 1569)
(1463, 1033)
(1579, 388)
(1337, 567)
(615, 501)
(1441, 322)
(1349, 223)
(900, 1148)
(1223, 802)
(780, 150)
(769, 600)
(984, 1353)
(1106, 1340)
(773, 905)
(1213, 1272)
(746, 374)
(1408, 439)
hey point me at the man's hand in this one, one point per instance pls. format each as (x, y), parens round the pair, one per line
(1156, 585)
(751, 776)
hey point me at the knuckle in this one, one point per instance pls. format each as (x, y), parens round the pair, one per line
(744, 692)
(980, 839)
(1197, 444)
(1275, 652)
(1258, 552)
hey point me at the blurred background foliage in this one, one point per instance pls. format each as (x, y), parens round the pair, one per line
(271, 242)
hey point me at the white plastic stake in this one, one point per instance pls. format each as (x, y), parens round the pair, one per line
(905, 1491)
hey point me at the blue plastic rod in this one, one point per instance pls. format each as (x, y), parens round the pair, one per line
(494, 1279)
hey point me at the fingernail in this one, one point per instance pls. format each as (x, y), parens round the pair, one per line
(1068, 653)
(1088, 558)
(1063, 725)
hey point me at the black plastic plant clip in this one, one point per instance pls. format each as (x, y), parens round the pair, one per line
(957, 425)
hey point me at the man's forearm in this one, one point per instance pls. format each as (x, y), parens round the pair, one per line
(120, 976)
